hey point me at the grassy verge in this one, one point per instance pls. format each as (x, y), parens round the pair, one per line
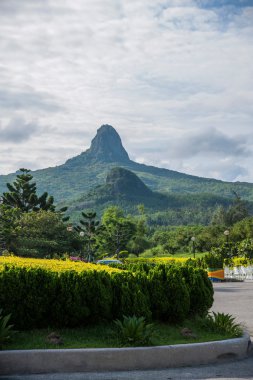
(182, 255)
(104, 336)
(190, 255)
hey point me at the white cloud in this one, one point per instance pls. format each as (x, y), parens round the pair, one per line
(17, 131)
(154, 70)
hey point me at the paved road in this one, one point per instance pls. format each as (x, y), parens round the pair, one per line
(225, 371)
(233, 298)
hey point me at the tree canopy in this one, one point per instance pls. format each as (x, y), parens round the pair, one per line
(22, 194)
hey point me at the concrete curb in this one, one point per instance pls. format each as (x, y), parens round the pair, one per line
(120, 359)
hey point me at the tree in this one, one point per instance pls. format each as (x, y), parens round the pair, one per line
(2, 237)
(237, 211)
(41, 234)
(219, 216)
(22, 194)
(88, 230)
(139, 241)
(242, 230)
(8, 219)
(117, 230)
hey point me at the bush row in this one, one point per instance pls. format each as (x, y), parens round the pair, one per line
(37, 297)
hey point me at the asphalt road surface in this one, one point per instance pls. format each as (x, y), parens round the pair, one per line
(233, 298)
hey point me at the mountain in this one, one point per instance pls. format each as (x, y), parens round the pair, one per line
(78, 175)
(122, 182)
(106, 147)
(124, 189)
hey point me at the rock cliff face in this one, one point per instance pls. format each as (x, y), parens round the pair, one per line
(107, 146)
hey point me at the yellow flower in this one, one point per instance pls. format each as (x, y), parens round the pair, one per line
(53, 265)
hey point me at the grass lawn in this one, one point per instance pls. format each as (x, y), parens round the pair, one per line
(185, 255)
(188, 255)
(104, 335)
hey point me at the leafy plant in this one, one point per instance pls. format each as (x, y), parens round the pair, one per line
(245, 248)
(135, 331)
(222, 323)
(5, 328)
(213, 260)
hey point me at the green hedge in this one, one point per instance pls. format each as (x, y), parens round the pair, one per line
(37, 297)
(200, 289)
(169, 294)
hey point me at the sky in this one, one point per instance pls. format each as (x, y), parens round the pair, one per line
(174, 78)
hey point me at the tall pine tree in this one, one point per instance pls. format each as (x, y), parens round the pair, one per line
(88, 230)
(2, 237)
(22, 195)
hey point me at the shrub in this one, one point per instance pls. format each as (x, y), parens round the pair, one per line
(5, 328)
(169, 295)
(45, 297)
(222, 323)
(245, 248)
(134, 331)
(42, 293)
(27, 294)
(130, 295)
(239, 261)
(200, 289)
(214, 259)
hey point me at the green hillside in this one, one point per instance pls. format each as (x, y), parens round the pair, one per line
(124, 189)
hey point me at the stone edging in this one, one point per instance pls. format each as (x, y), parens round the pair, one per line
(120, 359)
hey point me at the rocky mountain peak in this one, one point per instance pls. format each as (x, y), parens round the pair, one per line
(106, 146)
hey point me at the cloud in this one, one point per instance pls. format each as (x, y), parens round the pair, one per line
(208, 153)
(210, 142)
(227, 169)
(18, 131)
(222, 168)
(16, 100)
(160, 72)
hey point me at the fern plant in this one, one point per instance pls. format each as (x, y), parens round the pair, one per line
(134, 331)
(5, 328)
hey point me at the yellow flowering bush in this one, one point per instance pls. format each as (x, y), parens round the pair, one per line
(53, 265)
(44, 292)
(168, 260)
(159, 260)
(238, 261)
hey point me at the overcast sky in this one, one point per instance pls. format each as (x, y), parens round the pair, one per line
(174, 77)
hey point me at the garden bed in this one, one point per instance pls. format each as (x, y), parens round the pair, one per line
(105, 336)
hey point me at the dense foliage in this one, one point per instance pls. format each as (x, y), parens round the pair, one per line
(37, 234)
(57, 293)
(31, 226)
